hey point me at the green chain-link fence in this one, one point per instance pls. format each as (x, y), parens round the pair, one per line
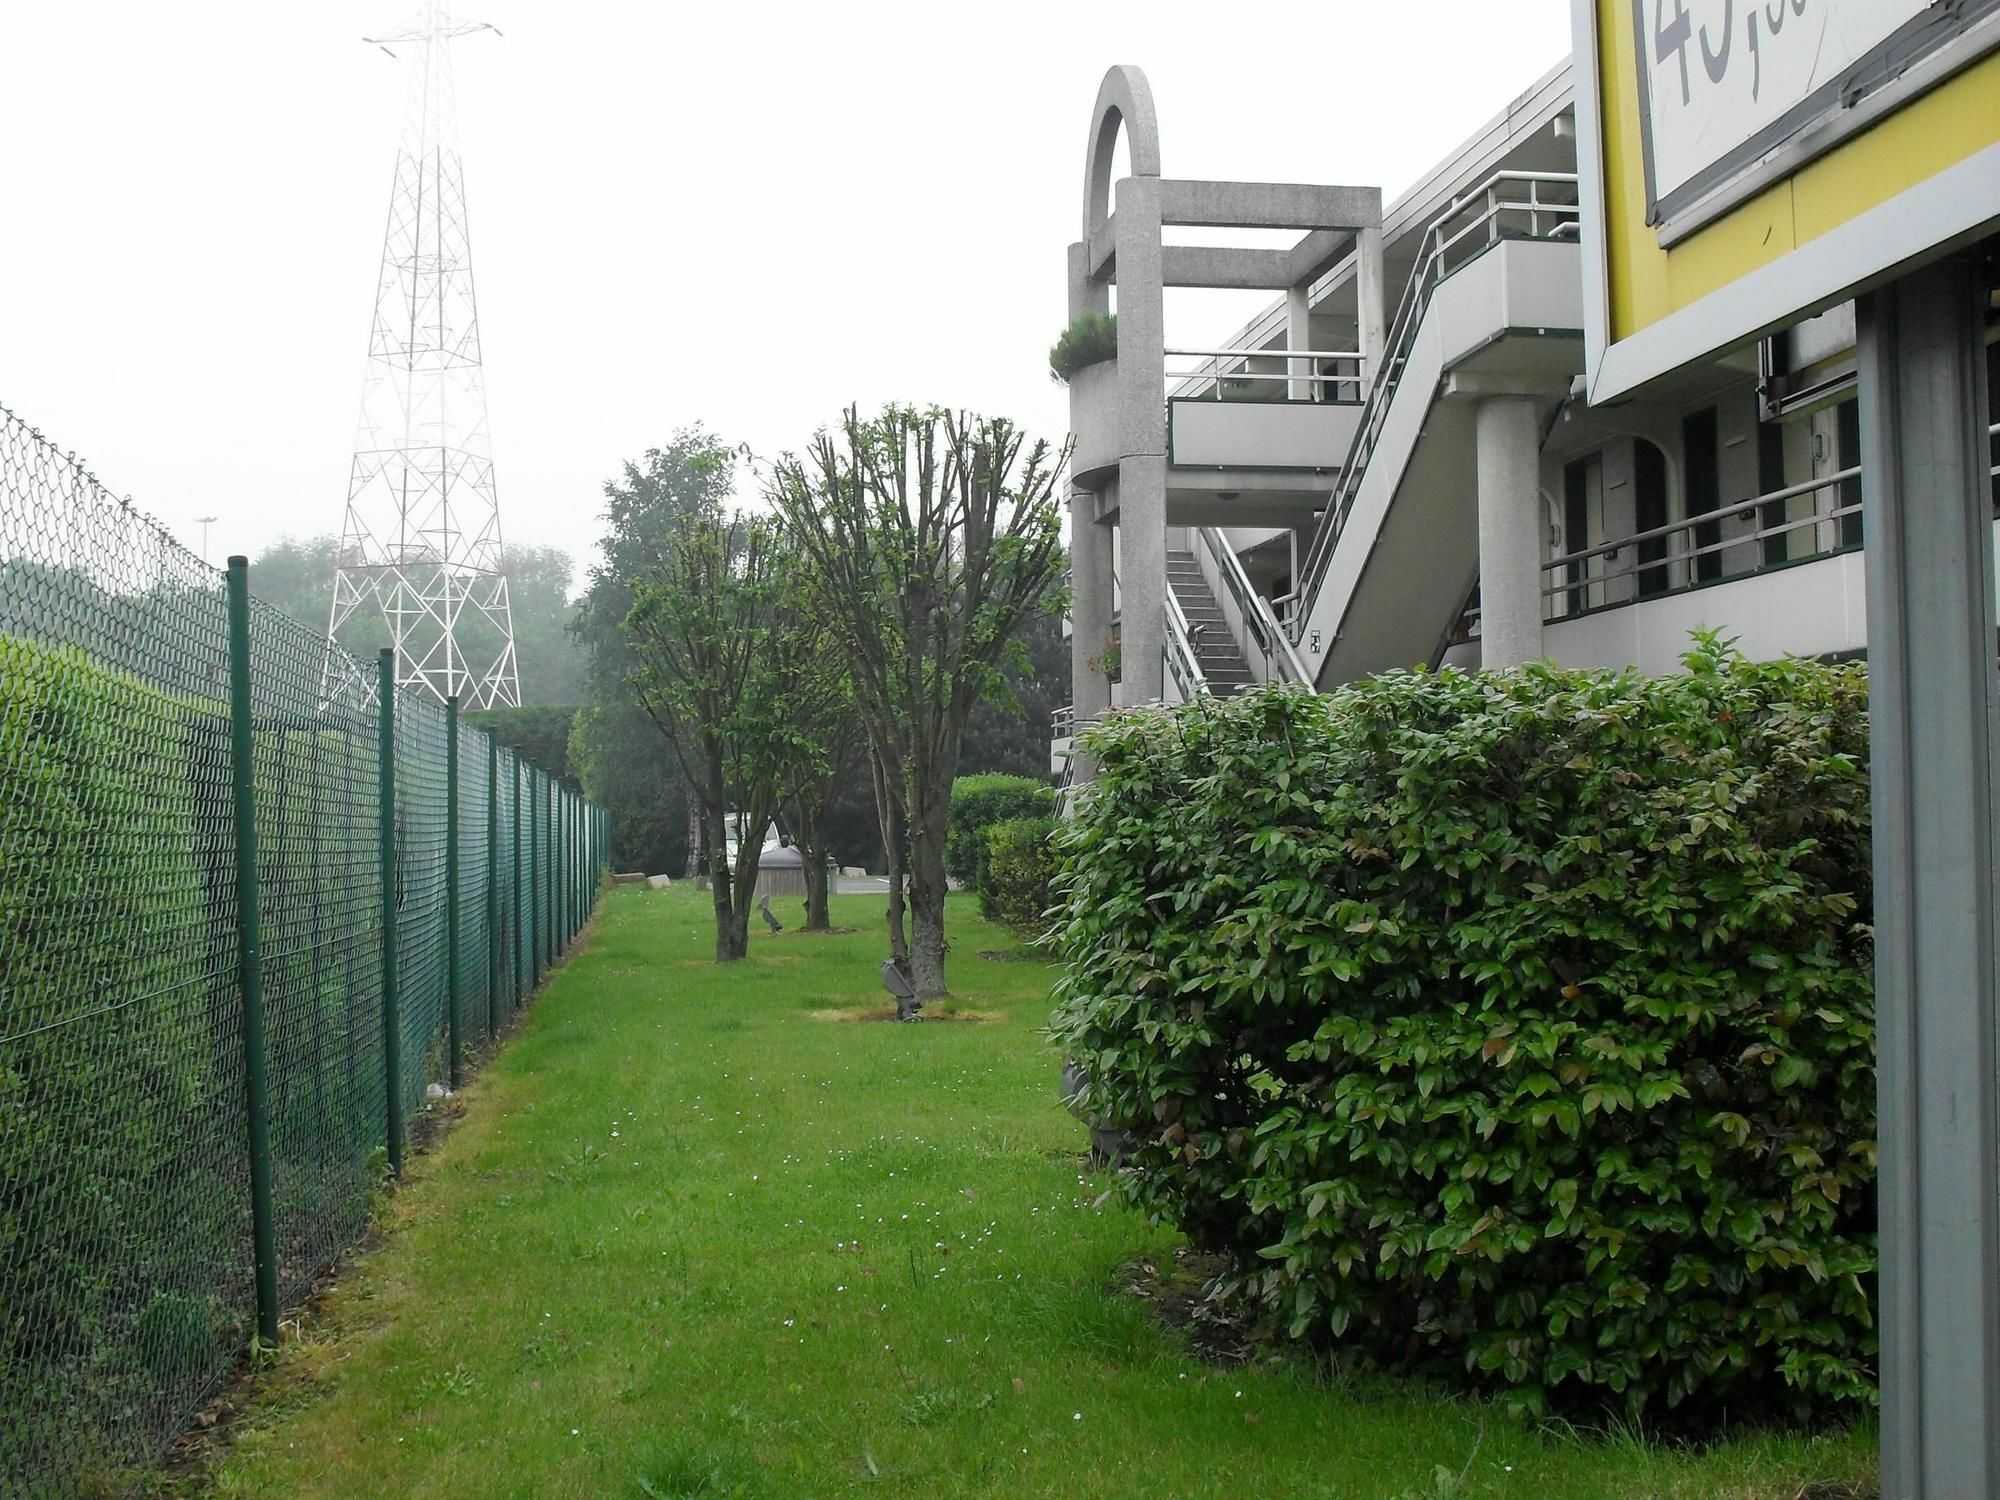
(205, 1061)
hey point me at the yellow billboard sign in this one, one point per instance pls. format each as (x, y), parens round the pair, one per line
(1744, 163)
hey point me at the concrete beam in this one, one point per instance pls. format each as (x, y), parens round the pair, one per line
(1268, 205)
(1471, 385)
(1217, 266)
(1101, 262)
(1318, 253)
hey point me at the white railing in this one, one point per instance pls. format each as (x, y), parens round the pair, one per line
(1508, 205)
(1261, 629)
(1229, 365)
(1182, 661)
(1179, 660)
(1578, 582)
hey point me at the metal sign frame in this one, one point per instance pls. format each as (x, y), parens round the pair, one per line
(1946, 209)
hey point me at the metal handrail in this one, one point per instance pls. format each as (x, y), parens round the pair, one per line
(1556, 585)
(1180, 658)
(1720, 513)
(1259, 620)
(1432, 270)
(1215, 375)
(1263, 354)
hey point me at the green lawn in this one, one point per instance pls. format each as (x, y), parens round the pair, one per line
(692, 1237)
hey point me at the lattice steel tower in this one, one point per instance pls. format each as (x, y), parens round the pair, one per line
(422, 536)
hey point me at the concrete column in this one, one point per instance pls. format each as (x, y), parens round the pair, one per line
(1142, 577)
(1090, 607)
(1510, 531)
(1370, 301)
(1142, 466)
(1085, 294)
(1298, 335)
(1935, 756)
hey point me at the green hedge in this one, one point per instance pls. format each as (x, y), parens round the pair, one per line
(1089, 340)
(123, 1246)
(1518, 1026)
(977, 802)
(1016, 879)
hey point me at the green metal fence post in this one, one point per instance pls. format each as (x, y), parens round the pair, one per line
(392, 1017)
(453, 977)
(534, 879)
(492, 888)
(250, 952)
(514, 947)
(549, 874)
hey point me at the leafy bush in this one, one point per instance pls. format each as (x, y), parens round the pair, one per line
(1090, 340)
(1018, 874)
(1518, 1024)
(980, 801)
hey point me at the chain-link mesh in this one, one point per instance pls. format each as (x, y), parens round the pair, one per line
(473, 940)
(127, 1259)
(313, 726)
(420, 931)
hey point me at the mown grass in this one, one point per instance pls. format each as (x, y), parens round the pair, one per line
(690, 1240)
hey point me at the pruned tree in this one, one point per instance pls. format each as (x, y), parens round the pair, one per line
(933, 538)
(695, 472)
(704, 655)
(815, 686)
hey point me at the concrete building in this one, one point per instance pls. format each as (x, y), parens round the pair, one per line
(1393, 464)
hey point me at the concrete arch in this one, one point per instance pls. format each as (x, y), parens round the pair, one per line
(1125, 100)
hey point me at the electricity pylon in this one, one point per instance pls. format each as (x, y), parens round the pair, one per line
(421, 540)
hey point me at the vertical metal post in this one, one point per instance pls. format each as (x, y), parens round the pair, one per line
(1935, 724)
(250, 953)
(392, 1010)
(514, 949)
(492, 888)
(535, 878)
(453, 976)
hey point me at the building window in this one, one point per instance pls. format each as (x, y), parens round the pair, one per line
(1771, 477)
(1702, 469)
(1649, 505)
(1582, 528)
(1847, 455)
(1993, 406)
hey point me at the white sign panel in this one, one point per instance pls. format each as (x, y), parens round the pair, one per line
(1723, 82)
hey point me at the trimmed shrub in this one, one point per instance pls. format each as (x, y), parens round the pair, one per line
(1017, 876)
(977, 802)
(1090, 340)
(123, 1217)
(1515, 1025)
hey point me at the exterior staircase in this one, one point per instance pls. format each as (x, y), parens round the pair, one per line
(1221, 661)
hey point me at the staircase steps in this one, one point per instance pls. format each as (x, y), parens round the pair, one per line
(1221, 661)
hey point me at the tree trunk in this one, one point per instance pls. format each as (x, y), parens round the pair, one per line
(744, 879)
(731, 933)
(927, 893)
(812, 858)
(697, 860)
(889, 812)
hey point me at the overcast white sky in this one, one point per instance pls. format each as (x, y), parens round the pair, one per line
(741, 214)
